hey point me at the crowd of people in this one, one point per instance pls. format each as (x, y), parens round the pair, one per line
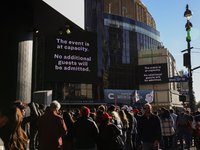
(104, 128)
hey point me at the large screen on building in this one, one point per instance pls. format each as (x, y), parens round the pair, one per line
(149, 74)
(71, 57)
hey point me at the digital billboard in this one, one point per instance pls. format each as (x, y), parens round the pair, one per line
(71, 57)
(155, 73)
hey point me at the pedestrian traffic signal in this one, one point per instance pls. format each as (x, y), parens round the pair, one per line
(185, 105)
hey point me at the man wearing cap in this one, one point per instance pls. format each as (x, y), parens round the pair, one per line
(85, 131)
(183, 128)
(149, 130)
(130, 117)
(51, 128)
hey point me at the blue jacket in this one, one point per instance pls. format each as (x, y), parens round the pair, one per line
(149, 129)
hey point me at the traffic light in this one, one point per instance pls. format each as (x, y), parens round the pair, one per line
(182, 98)
(185, 105)
(186, 60)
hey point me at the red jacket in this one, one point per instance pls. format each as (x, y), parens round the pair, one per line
(51, 128)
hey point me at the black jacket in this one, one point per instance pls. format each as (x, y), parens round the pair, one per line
(106, 137)
(149, 129)
(85, 132)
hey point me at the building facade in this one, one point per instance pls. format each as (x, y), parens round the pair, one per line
(166, 93)
(123, 28)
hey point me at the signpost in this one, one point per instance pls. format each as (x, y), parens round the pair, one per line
(177, 79)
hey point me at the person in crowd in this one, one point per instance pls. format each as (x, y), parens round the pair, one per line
(197, 135)
(149, 130)
(93, 116)
(134, 132)
(34, 129)
(102, 108)
(51, 129)
(197, 120)
(161, 143)
(98, 117)
(125, 125)
(27, 119)
(85, 131)
(183, 128)
(191, 120)
(129, 144)
(174, 139)
(68, 140)
(47, 109)
(93, 110)
(197, 117)
(11, 132)
(167, 124)
(135, 113)
(116, 119)
(76, 115)
(177, 112)
(107, 133)
(159, 112)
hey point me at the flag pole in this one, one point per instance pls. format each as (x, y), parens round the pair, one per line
(115, 99)
(156, 100)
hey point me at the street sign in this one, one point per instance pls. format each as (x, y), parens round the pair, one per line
(184, 92)
(177, 79)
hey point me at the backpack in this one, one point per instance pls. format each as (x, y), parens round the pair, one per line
(182, 120)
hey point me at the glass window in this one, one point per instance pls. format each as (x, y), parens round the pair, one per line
(89, 86)
(89, 94)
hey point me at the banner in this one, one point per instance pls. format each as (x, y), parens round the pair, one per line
(129, 96)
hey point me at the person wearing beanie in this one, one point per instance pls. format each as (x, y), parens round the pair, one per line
(85, 131)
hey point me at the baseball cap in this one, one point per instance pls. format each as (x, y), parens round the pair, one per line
(130, 108)
(85, 111)
(135, 111)
(105, 116)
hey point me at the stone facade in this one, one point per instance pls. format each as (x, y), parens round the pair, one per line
(133, 9)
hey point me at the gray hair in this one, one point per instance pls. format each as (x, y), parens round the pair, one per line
(55, 105)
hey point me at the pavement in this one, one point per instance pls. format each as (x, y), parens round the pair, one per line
(175, 148)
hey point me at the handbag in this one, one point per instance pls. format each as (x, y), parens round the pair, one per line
(119, 144)
(193, 124)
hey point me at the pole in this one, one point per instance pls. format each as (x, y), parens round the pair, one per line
(115, 99)
(190, 78)
(156, 100)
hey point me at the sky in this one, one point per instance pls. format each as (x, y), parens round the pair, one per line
(170, 22)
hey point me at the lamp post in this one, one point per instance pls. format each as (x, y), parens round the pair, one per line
(188, 26)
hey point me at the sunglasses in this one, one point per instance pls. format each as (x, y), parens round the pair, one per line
(146, 108)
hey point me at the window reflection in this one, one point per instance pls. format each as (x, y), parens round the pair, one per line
(77, 91)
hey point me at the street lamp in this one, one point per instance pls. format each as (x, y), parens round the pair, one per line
(188, 26)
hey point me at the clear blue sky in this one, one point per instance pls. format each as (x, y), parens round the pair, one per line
(170, 22)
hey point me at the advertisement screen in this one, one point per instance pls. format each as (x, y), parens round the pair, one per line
(71, 57)
(149, 74)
